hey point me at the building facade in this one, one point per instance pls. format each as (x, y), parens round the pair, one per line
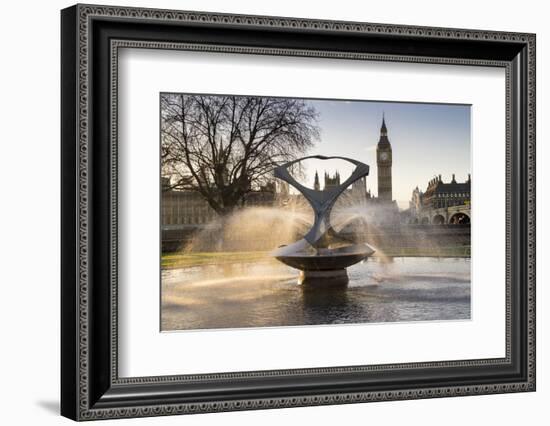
(183, 213)
(180, 209)
(442, 203)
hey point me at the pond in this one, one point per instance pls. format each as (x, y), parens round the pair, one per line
(266, 294)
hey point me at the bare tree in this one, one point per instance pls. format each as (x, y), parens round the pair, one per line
(226, 146)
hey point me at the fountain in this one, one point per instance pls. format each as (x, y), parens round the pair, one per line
(323, 255)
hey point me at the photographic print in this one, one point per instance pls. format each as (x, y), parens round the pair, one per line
(258, 183)
(290, 212)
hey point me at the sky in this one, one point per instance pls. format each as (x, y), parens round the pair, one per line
(427, 140)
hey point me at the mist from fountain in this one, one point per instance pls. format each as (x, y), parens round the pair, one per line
(252, 229)
(366, 222)
(261, 229)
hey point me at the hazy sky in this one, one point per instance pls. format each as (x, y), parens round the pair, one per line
(426, 139)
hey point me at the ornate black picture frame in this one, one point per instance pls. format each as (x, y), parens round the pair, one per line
(91, 388)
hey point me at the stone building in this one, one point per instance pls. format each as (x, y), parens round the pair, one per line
(185, 212)
(332, 181)
(191, 209)
(442, 203)
(384, 165)
(357, 192)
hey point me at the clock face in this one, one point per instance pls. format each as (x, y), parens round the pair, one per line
(384, 156)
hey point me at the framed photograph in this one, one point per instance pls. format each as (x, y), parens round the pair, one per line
(263, 212)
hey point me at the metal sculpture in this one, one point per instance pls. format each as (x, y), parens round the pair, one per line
(323, 254)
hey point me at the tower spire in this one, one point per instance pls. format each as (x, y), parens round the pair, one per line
(316, 184)
(384, 163)
(383, 129)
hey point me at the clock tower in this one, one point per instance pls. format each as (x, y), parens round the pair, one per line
(383, 162)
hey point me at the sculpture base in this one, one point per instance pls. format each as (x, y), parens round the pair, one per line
(301, 255)
(324, 278)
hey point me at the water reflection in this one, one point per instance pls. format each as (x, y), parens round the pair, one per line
(267, 295)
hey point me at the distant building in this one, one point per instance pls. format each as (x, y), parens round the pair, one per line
(185, 209)
(359, 191)
(316, 184)
(332, 181)
(184, 212)
(442, 203)
(384, 164)
(189, 209)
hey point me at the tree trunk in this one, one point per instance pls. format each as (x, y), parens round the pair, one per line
(223, 241)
